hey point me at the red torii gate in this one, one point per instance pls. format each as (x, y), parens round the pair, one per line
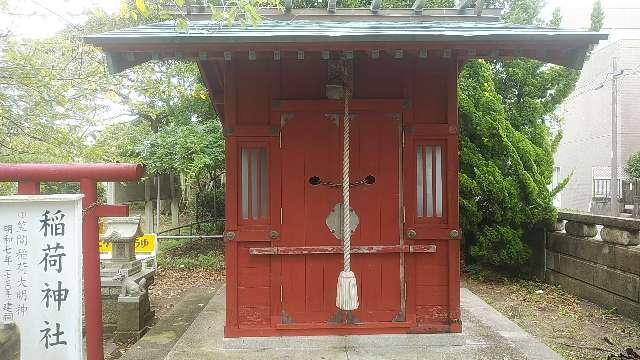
(29, 177)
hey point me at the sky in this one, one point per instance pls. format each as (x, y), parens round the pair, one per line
(40, 18)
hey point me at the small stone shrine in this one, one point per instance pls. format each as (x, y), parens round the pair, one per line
(125, 300)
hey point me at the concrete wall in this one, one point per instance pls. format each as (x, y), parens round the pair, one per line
(602, 271)
(120, 192)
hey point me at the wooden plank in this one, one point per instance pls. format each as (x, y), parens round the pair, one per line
(307, 250)
(231, 266)
(381, 105)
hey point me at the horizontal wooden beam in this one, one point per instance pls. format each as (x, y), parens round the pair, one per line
(329, 105)
(308, 250)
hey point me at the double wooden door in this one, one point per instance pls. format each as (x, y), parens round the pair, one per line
(311, 145)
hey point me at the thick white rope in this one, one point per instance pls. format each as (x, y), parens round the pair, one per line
(346, 210)
(347, 287)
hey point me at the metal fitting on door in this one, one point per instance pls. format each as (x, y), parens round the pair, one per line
(231, 235)
(454, 233)
(273, 235)
(411, 234)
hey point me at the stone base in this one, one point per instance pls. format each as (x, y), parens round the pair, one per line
(579, 229)
(128, 315)
(557, 226)
(620, 236)
(134, 313)
(9, 342)
(110, 268)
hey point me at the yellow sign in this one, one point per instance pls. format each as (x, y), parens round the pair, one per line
(105, 247)
(144, 244)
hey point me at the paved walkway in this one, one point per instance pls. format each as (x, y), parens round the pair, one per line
(487, 335)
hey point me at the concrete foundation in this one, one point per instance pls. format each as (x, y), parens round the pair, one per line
(486, 335)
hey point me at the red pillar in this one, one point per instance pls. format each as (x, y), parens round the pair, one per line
(29, 187)
(91, 271)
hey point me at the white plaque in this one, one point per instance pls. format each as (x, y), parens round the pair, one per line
(41, 274)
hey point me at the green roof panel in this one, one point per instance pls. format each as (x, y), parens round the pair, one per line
(274, 31)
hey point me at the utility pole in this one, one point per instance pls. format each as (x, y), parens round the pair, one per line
(614, 138)
(158, 206)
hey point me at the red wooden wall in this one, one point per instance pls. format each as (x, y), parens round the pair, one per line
(254, 91)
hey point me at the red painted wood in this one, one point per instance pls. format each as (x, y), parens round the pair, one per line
(311, 147)
(554, 50)
(275, 125)
(306, 250)
(452, 183)
(323, 329)
(91, 270)
(292, 290)
(70, 172)
(231, 279)
(111, 210)
(29, 187)
(371, 73)
(327, 105)
(253, 83)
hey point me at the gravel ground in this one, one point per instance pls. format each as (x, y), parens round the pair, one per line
(575, 328)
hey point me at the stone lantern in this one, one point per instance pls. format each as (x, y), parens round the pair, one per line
(125, 300)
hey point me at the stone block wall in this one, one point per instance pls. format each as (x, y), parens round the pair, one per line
(597, 258)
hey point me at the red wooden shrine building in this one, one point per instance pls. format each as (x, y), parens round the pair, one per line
(278, 88)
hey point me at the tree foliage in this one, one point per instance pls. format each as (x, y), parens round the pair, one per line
(506, 147)
(632, 166)
(504, 172)
(48, 98)
(597, 16)
(58, 104)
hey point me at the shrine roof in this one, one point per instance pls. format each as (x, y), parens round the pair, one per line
(128, 47)
(278, 31)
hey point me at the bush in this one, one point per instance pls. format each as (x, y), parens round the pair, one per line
(632, 167)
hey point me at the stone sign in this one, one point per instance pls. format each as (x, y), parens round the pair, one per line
(41, 275)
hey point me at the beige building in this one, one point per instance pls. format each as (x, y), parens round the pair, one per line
(585, 149)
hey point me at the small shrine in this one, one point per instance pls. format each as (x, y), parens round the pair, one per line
(126, 309)
(332, 109)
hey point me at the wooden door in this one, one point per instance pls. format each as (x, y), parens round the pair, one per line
(312, 147)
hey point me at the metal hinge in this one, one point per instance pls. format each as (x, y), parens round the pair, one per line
(404, 213)
(281, 294)
(280, 139)
(403, 138)
(280, 216)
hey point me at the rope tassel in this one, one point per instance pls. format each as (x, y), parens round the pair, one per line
(347, 288)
